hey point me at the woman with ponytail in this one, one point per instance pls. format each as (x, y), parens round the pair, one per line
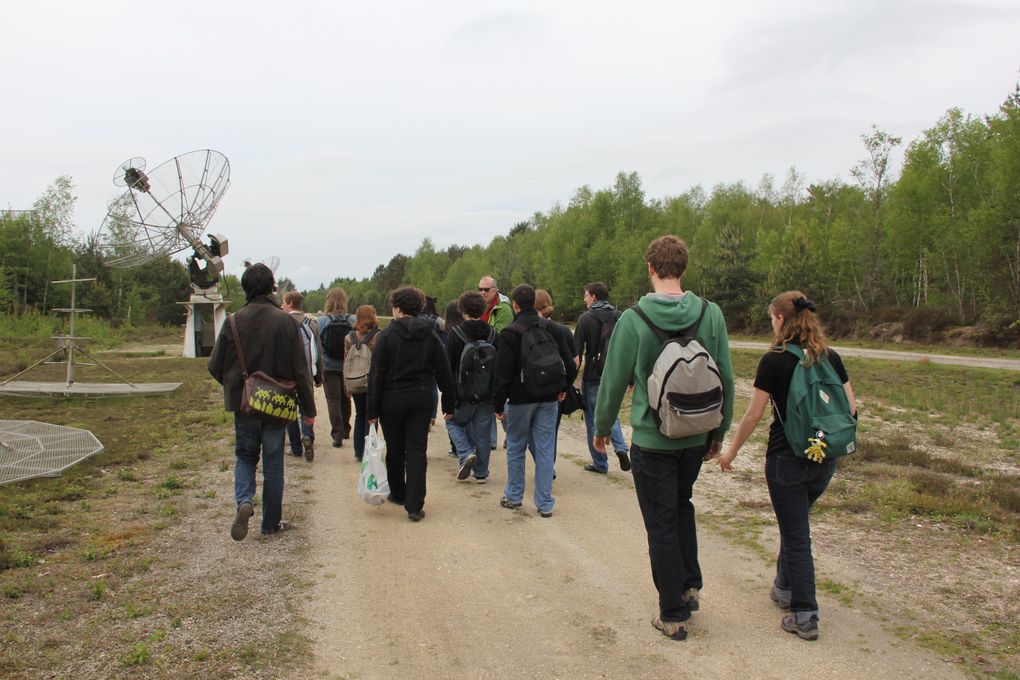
(794, 483)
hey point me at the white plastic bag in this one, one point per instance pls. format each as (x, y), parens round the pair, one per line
(373, 487)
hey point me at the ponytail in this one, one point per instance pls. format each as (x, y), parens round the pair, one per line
(801, 325)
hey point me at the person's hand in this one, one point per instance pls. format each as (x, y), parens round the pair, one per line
(600, 443)
(372, 421)
(714, 447)
(499, 416)
(309, 420)
(726, 460)
(447, 416)
(561, 396)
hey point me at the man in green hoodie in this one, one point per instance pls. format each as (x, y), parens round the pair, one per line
(664, 469)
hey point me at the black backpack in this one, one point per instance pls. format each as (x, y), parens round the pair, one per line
(476, 377)
(333, 335)
(605, 332)
(542, 369)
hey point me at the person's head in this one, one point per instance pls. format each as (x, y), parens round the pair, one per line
(336, 301)
(452, 317)
(408, 300)
(667, 257)
(365, 319)
(543, 303)
(471, 304)
(794, 320)
(293, 301)
(257, 280)
(489, 289)
(430, 306)
(594, 292)
(523, 296)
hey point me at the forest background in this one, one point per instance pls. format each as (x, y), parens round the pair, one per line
(930, 252)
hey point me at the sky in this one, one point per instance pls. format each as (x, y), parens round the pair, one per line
(356, 130)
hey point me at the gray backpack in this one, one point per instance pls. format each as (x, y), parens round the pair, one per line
(685, 391)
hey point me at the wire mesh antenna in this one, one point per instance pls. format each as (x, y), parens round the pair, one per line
(33, 449)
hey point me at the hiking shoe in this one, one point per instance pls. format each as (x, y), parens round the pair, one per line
(624, 460)
(781, 602)
(416, 516)
(591, 468)
(306, 444)
(674, 630)
(805, 631)
(239, 529)
(465, 469)
(691, 598)
(508, 504)
(284, 525)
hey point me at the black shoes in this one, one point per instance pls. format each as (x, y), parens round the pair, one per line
(591, 468)
(674, 630)
(309, 448)
(508, 504)
(337, 443)
(691, 598)
(239, 529)
(624, 460)
(416, 516)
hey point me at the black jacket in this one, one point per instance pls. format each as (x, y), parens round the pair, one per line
(409, 357)
(269, 338)
(509, 361)
(587, 336)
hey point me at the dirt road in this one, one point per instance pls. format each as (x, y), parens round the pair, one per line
(477, 591)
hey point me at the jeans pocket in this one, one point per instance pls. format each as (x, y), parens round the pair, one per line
(787, 470)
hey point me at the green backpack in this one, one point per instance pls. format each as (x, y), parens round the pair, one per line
(819, 425)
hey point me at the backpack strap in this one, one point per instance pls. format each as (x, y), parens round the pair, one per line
(685, 334)
(354, 339)
(461, 334)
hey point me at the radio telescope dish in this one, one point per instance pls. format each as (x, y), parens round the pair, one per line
(165, 210)
(32, 449)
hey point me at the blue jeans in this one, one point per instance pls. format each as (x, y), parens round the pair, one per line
(296, 429)
(664, 482)
(360, 428)
(533, 424)
(251, 437)
(473, 437)
(590, 390)
(794, 485)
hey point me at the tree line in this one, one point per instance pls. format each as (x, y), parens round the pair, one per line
(938, 245)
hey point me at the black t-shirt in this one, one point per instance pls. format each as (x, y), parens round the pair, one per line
(775, 370)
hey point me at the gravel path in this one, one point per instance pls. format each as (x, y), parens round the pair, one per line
(477, 591)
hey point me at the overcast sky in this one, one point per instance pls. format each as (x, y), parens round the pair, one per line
(355, 130)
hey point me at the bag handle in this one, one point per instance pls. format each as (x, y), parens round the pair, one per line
(237, 345)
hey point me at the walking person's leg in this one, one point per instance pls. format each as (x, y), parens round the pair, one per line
(599, 461)
(332, 387)
(543, 430)
(294, 435)
(478, 432)
(360, 430)
(416, 436)
(345, 409)
(391, 418)
(247, 449)
(272, 478)
(518, 425)
(690, 462)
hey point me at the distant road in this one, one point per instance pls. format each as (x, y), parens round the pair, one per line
(973, 362)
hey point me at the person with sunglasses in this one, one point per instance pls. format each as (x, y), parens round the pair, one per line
(498, 312)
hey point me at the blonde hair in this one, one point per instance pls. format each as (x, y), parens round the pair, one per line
(336, 301)
(543, 303)
(801, 325)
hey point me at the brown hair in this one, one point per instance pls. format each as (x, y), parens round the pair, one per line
(294, 299)
(543, 303)
(471, 303)
(668, 256)
(599, 290)
(366, 318)
(801, 325)
(408, 300)
(336, 301)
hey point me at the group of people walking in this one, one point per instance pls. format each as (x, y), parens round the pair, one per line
(497, 358)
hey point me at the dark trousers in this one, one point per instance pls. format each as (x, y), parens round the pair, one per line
(360, 430)
(794, 485)
(338, 403)
(405, 417)
(664, 481)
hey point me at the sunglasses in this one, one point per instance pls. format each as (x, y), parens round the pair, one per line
(485, 290)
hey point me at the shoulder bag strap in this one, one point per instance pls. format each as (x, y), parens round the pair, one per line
(237, 346)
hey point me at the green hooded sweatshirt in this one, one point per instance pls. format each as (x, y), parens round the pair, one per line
(633, 349)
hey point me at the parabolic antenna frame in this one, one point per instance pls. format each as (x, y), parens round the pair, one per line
(32, 449)
(165, 210)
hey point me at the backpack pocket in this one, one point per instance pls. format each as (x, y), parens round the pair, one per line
(838, 431)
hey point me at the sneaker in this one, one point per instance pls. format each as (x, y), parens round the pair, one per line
(781, 602)
(674, 630)
(416, 516)
(284, 525)
(481, 480)
(337, 443)
(545, 513)
(805, 631)
(508, 504)
(465, 469)
(691, 598)
(591, 468)
(239, 529)
(306, 444)
(624, 460)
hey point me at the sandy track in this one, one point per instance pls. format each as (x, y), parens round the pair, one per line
(477, 591)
